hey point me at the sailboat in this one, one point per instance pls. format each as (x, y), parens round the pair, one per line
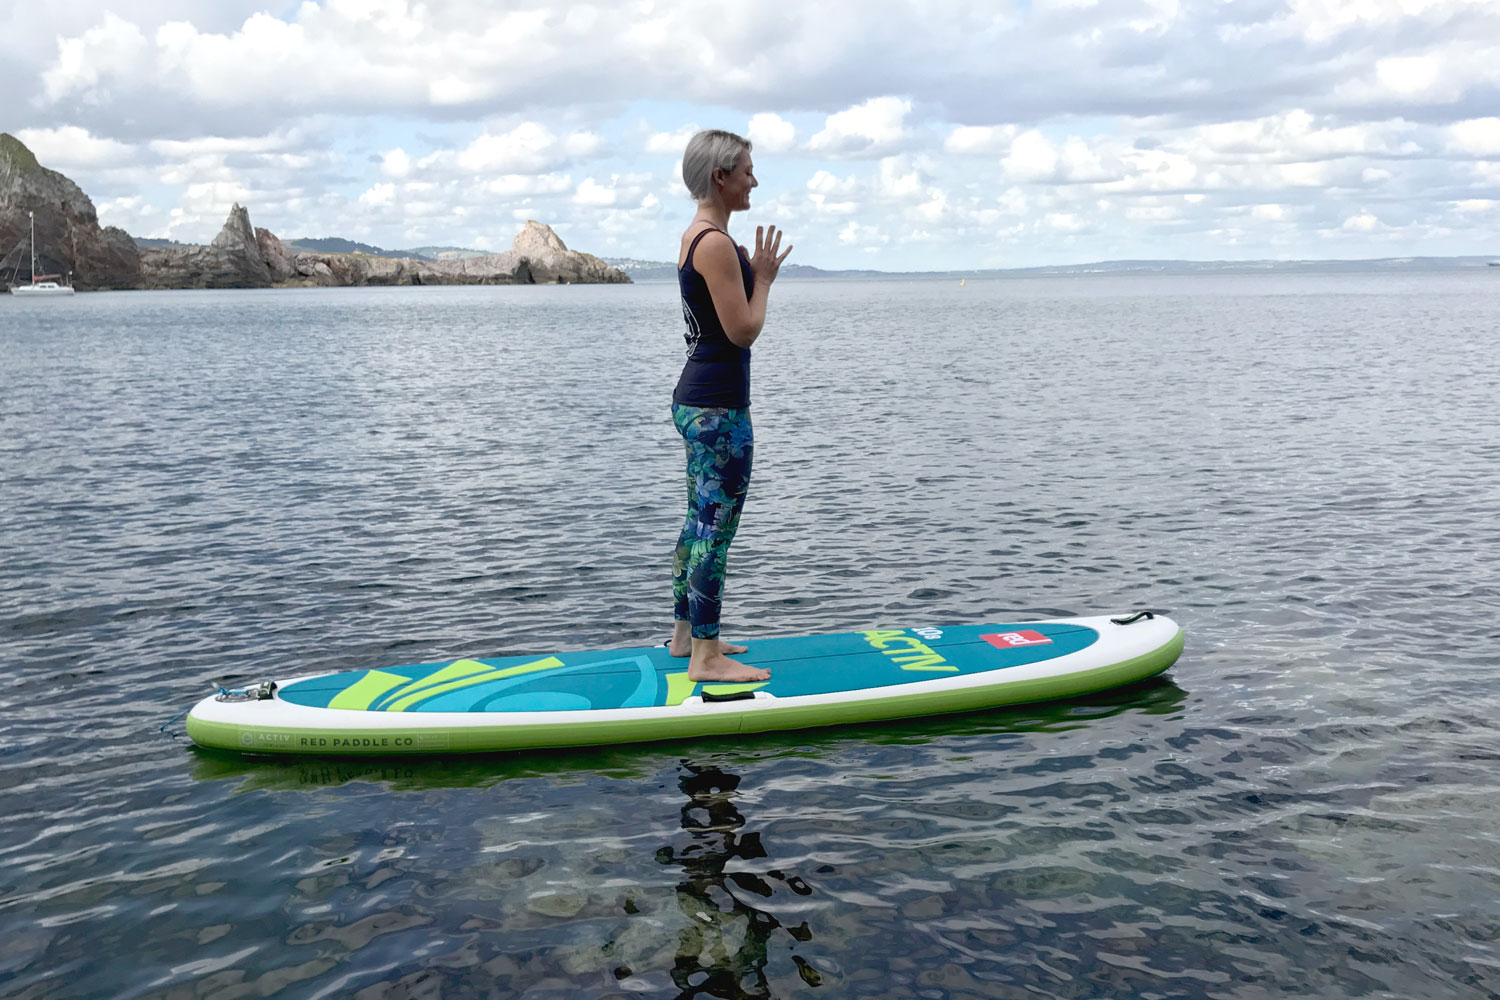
(41, 284)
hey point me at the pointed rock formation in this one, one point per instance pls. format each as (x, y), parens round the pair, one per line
(237, 243)
(69, 239)
(553, 263)
(232, 260)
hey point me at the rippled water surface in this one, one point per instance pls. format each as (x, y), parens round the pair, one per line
(213, 488)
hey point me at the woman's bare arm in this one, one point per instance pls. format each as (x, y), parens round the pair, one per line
(742, 319)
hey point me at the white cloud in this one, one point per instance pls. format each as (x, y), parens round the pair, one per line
(867, 238)
(980, 140)
(591, 192)
(873, 128)
(514, 185)
(529, 146)
(771, 133)
(69, 147)
(114, 47)
(899, 179)
(1298, 135)
(671, 143)
(378, 195)
(1151, 212)
(1409, 76)
(396, 163)
(831, 195)
(1476, 137)
(1032, 157)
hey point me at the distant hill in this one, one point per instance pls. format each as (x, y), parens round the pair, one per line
(644, 270)
(1380, 265)
(445, 253)
(145, 242)
(336, 244)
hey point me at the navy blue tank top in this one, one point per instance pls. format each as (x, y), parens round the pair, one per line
(717, 372)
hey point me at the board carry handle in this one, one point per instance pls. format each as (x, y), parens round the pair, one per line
(1132, 619)
(709, 696)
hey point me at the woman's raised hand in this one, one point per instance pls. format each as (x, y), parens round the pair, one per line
(766, 261)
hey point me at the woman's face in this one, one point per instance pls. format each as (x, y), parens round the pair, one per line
(737, 183)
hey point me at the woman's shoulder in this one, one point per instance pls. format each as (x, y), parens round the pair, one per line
(698, 237)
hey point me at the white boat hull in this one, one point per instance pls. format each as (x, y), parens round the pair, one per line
(42, 288)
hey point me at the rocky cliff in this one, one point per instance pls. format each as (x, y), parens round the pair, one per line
(69, 239)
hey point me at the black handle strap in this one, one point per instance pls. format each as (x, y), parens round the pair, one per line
(1132, 619)
(736, 696)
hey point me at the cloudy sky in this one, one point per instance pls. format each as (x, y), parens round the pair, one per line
(892, 134)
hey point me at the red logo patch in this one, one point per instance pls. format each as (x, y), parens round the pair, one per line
(1014, 640)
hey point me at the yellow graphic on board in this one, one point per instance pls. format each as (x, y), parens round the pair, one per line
(370, 688)
(907, 651)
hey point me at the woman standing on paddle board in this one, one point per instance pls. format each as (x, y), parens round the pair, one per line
(724, 293)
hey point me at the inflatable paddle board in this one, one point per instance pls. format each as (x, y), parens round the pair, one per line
(634, 695)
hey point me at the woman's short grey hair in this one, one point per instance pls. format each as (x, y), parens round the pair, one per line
(710, 150)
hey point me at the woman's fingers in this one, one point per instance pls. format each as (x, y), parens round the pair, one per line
(768, 245)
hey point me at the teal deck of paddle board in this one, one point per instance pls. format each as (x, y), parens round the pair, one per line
(640, 678)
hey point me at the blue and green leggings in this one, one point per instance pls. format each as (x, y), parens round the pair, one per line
(719, 444)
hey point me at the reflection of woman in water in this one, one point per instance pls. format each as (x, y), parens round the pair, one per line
(724, 292)
(705, 964)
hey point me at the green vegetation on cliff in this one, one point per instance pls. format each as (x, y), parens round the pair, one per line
(13, 150)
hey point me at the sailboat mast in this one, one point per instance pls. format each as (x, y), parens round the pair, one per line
(33, 246)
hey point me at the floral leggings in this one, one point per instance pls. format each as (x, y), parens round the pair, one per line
(719, 444)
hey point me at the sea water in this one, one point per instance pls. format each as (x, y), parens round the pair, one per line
(213, 488)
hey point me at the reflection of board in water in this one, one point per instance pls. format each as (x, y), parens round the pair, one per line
(632, 695)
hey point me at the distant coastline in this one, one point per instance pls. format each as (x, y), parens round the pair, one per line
(647, 270)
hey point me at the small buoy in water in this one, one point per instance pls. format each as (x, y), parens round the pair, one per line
(961, 282)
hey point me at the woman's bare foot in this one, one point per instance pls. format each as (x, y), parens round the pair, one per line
(682, 642)
(709, 664)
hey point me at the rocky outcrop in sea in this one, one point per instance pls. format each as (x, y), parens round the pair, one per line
(244, 257)
(553, 263)
(232, 260)
(69, 239)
